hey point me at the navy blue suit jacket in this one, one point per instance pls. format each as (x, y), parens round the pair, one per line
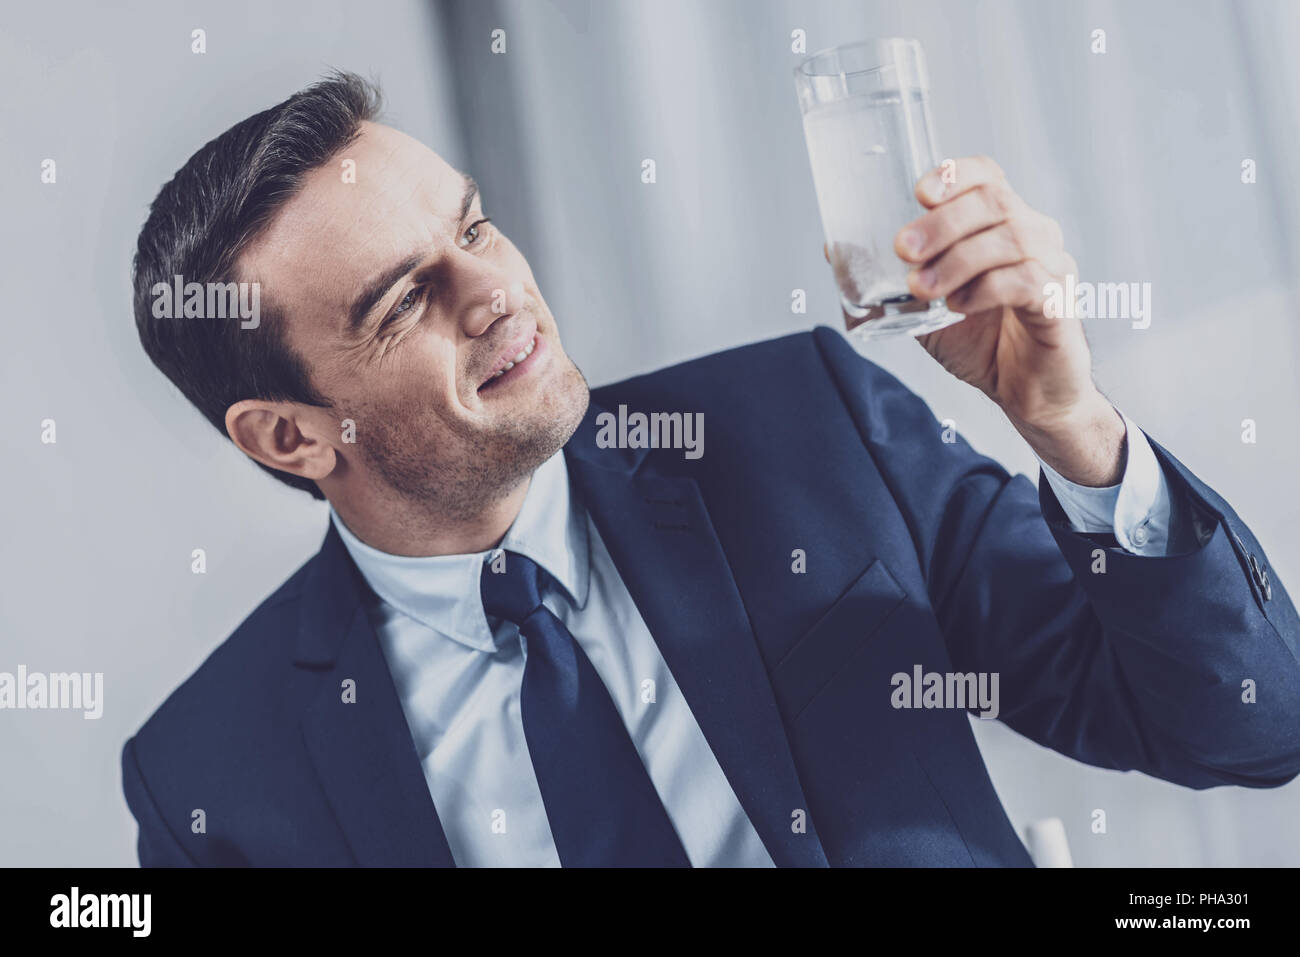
(918, 552)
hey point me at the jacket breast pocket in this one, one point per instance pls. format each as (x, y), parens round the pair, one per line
(855, 619)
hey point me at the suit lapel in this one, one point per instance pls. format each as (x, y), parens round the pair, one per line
(362, 750)
(659, 534)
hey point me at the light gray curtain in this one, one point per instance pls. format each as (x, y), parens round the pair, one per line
(1137, 151)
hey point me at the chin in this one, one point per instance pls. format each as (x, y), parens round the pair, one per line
(573, 396)
(554, 420)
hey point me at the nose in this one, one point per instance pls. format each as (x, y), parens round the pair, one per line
(486, 293)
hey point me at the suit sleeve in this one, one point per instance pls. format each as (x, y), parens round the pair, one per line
(1183, 666)
(156, 846)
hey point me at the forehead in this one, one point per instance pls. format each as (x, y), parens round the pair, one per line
(366, 208)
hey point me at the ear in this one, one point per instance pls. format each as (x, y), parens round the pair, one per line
(281, 435)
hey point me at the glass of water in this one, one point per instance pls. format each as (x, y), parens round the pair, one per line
(866, 120)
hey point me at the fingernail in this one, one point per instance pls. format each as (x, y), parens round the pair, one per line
(913, 240)
(927, 278)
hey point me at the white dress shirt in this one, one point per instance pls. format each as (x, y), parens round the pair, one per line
(1137, 511)
(458, 675)
(458, 678)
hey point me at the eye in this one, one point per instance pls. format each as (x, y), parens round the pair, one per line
(472, 234)
(406, 305)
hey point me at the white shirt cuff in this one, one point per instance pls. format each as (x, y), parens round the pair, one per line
(1137, 510)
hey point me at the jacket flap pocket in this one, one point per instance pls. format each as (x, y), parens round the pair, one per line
(852, 621)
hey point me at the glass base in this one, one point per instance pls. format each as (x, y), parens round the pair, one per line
(901, 316)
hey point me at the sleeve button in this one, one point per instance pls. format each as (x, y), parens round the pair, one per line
(1261, 577)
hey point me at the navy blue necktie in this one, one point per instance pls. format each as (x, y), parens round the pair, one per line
(601, 805)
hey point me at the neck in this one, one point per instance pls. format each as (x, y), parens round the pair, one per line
(399, 526)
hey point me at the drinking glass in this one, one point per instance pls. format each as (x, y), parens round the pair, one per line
(866, 121)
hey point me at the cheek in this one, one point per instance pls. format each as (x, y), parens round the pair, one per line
(405, 378)
(422, 372)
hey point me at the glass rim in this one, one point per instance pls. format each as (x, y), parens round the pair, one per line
(800, 71)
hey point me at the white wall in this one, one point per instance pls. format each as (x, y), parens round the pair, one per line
(99, 527)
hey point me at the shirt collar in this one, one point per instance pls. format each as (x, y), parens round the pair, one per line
(442, 591)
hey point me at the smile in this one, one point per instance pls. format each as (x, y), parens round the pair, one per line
(515, 362)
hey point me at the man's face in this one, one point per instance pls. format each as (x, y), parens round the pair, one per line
(407, 309)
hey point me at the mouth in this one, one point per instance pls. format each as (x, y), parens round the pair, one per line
(512, 365)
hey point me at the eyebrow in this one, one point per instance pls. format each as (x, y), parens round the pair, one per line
(376, 288)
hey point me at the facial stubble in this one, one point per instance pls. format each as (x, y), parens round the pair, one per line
(403, 450)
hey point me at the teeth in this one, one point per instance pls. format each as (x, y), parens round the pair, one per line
(518, 359)
(526, 353)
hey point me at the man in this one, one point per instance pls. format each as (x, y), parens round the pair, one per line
(528, 639)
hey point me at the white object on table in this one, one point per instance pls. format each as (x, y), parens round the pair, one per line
(1047, 844)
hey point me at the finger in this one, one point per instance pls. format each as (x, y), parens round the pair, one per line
(997, 246)
(1020, 286)
(1059, 264)
(975, 210)
(952, 179)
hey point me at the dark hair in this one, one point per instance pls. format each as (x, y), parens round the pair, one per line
(209, 212)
